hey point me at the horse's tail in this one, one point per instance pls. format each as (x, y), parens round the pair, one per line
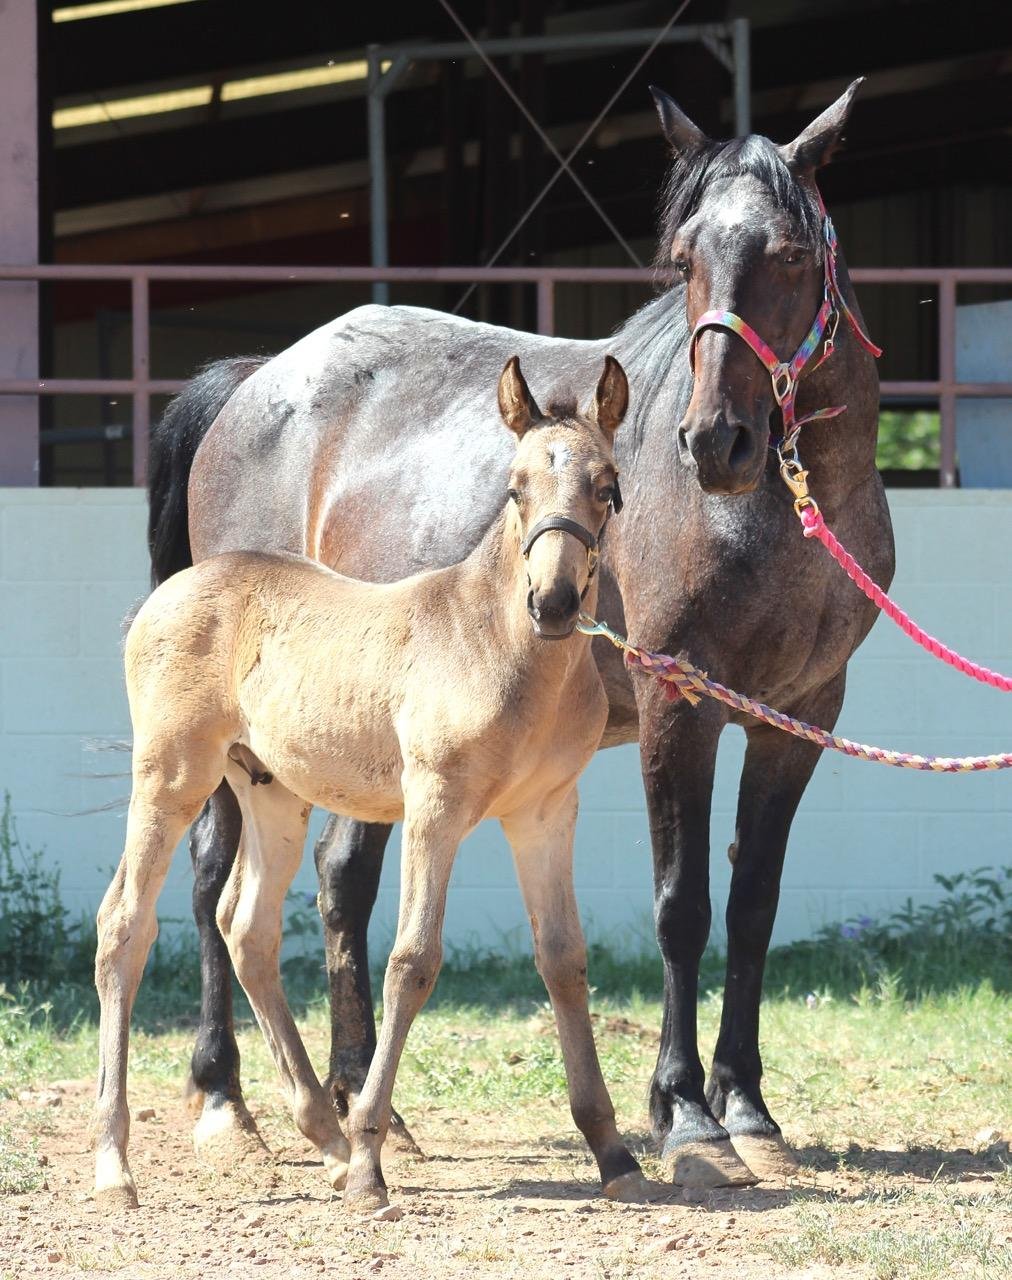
(174, 443)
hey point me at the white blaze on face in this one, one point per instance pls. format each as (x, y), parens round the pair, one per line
(559, 456)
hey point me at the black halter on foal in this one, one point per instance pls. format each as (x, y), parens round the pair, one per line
(564, 525)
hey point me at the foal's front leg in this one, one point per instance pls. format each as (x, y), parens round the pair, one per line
(433, 828)
(250, 918)
(542, 847)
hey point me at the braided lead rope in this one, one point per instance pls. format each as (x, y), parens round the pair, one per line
(685, 680)
(815, 527)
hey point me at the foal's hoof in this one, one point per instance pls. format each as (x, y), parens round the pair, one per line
(768, 1156)
(226, 1135)
(113, 1200)
(706, 1165)
(336, 1171)
(628, 1188)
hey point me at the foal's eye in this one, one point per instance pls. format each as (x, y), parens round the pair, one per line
(607, 494)
(513, 496)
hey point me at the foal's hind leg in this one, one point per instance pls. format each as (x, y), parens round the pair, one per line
(159, 815)
(225, 1130)
(777, 770)
(349, 859)
(543, 851)
(250, 919)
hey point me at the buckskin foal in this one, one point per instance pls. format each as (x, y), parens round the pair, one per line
(437, 699)
(327, 449)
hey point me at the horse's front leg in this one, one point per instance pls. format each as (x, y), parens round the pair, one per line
(777, 770)
(678, 750)
(349, 859)
(224, 1127)
(541, 838)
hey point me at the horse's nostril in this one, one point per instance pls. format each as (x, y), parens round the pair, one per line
(741, 447)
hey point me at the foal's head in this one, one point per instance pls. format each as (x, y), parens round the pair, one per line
(563, 485)
(742, 227)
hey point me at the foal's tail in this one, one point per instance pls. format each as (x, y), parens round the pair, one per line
(174, 443)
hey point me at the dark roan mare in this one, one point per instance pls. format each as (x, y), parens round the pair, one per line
(327, 449)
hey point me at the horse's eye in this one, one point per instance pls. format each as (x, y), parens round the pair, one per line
(682, 266)
(793, 256)
(607, 494)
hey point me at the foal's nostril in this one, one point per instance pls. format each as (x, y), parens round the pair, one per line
(532, 608)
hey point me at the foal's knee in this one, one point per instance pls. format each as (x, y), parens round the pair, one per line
(414, 967)
(562, 963)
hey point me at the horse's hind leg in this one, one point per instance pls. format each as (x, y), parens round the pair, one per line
(250, 919)
(349, 859)
(543, 851)
(777, 770)
(127, 927)
(224, 1129)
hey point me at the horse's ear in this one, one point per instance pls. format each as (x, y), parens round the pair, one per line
(813, 147)
(678, 128)
(612, 398)
(516, 404)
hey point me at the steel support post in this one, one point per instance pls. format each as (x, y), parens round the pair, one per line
(19, 239)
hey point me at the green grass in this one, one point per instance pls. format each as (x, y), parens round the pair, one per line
(958, 1235)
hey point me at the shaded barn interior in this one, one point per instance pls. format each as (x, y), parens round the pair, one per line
(184, 133)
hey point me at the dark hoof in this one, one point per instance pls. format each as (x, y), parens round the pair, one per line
(768, 1156)
(704, 1166)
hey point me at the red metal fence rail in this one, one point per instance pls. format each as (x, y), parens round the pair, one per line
(141, 386)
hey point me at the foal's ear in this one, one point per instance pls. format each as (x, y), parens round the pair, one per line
(516, 404)
(813, 147)
(678, 128)
(612, 398)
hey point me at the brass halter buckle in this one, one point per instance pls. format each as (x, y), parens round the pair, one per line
(795, 477)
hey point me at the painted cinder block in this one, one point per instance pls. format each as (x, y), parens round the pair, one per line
(40, 620)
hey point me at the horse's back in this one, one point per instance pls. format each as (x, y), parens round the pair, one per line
(371, 444)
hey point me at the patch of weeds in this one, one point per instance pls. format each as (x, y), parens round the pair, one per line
(960, 1235)
(20, 1171)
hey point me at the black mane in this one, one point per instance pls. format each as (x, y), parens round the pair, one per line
(755, 156)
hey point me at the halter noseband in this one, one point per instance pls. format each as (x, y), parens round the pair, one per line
(785, 374)
(564, 525)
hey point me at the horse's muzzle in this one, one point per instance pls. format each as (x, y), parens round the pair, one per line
(727, 456)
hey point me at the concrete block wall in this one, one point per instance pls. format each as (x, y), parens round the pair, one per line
(72, 562)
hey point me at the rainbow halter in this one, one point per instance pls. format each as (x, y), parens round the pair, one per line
(785, 374)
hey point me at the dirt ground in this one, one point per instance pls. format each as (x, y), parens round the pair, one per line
(492, 1197)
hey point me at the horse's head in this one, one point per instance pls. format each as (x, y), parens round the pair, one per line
(742, 228)
(563, 486)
